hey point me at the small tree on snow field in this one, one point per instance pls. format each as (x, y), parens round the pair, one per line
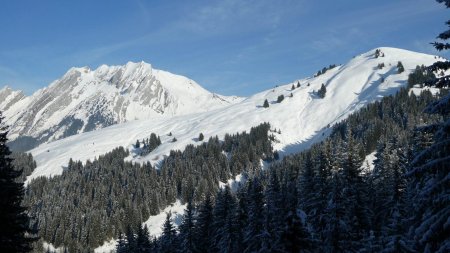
(322, 91)
(280, 98)
(201, 137)
(400, 67)
(266, 103)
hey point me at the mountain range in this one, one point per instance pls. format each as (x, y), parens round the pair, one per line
(128, 103)
(83, 100)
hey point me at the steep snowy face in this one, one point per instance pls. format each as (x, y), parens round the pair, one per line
(84, 100)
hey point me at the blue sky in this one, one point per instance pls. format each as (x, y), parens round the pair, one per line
(231, 47)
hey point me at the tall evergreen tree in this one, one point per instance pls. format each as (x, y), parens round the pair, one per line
(255, 228)
(187, 229)
(203, 227)
(14, 221)
(143, 240)
(168, 237)
(431, 176)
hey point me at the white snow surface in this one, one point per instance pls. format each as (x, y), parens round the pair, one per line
(302, 119)
(368, 165)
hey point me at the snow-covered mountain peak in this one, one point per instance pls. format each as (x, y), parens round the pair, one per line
(83, 100)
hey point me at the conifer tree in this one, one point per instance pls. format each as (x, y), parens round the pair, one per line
(143, 240)
(224, 214)
(255, 228)
(266, 103)
(187, 229)
(322, 91)
(431, 176)
(168, 237)
(400, 67)
(14, 223)
(203, 227)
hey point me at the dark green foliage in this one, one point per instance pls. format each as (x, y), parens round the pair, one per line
(203, 227)
(322, 91)
(380, 65)
(430, 175)
(377, 53)
(266, 103)
(168, 241)
(280, 98)
(293, 87)
(201, 137)
(13, 217)
(325, 69)
(298, 84)
(443, 81)
(148, 145)
(125, 194)
(400, 68)
(421, 75)
(23, 162)
(187, 233)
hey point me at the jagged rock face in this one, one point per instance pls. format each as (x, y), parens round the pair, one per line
(84, 100)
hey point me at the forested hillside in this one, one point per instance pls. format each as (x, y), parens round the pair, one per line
(92, 202)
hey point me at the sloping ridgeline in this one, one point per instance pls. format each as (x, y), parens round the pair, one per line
(92, 202)
(320, 200)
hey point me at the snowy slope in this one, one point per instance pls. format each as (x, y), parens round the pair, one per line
(302, 119)
(84, 100)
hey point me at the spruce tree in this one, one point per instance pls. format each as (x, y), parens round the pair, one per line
(443, 81)
(431, 176)
(322, 91)
(266, 103)
(400, 67)
(280, 98)
(187, 229)
(201, 137)
(203, 227)
(168, 237)
(14, 223)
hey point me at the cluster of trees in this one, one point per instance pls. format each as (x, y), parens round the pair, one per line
(378, 53)
(125, 193)
(421, 75)
(325, 69)
(148, 145)
(280, 98)
(23, 162)
(322, 91)
(321, 200)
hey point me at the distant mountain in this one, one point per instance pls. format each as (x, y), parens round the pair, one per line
(84, 100)
(301, 119)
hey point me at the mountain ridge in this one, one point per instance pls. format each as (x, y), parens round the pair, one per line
(301, 120)
(83, 100)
